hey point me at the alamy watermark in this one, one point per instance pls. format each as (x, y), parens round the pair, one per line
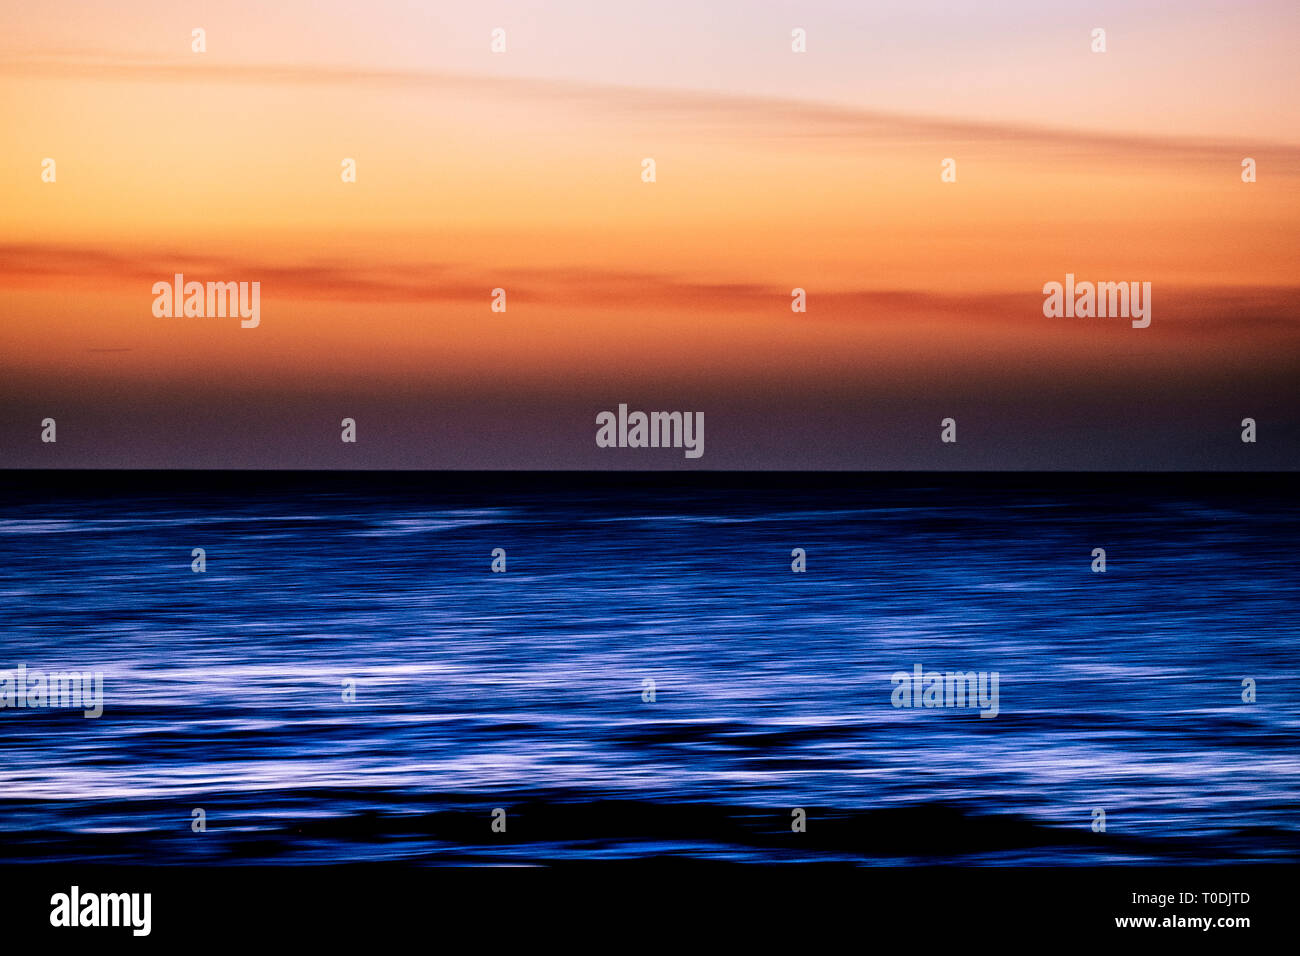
(74, 908)
(651, 430)
(33, 689)
(217, 299)
(923, 688)
(1122, 300)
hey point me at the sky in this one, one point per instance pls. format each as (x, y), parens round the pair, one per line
(775, 170)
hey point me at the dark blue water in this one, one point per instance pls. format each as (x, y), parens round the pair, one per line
(524, 690)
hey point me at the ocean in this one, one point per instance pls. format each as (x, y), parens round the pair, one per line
(349, 680)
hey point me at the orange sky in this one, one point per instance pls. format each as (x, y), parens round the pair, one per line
(226, 167)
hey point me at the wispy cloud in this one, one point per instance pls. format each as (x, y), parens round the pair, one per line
(1207, 309)
(726, 115)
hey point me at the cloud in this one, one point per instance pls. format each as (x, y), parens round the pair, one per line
(727, 115)
(1229, 310)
